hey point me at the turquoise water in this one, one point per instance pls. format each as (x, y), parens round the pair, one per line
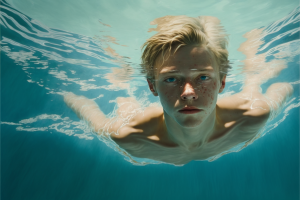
(48, 153)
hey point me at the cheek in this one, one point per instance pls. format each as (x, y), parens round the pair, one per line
(208, 94)
(166, 94)
(215, 85)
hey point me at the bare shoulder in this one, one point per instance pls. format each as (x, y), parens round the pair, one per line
(251, 103)
(143, 123)
(241, 119)
(252, 107)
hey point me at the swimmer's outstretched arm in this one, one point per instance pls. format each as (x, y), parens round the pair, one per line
(258, 71)
(87, 110)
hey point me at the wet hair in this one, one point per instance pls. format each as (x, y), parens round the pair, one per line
(177, 31)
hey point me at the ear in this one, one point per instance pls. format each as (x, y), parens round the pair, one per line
(222, 84)
(152, 87)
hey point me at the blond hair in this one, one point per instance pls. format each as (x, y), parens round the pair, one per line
(178, 31)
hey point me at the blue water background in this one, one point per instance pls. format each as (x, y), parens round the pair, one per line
(51, 165)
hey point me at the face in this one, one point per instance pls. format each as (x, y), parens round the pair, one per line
(188, 78)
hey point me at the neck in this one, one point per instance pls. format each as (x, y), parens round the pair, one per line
(194, 137)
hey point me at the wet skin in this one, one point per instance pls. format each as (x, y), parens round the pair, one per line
(190, 77)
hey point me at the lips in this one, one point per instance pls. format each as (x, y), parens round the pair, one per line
(189, 110)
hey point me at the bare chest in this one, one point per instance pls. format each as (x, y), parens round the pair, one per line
(233, 134)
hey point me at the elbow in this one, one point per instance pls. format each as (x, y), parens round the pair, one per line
(259, 110)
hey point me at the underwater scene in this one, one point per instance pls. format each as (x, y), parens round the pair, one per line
(93, 49)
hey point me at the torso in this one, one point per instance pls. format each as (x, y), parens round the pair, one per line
(144, 137)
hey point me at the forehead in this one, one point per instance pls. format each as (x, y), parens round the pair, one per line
(186, 58)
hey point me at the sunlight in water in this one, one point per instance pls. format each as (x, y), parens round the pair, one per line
(105, 67)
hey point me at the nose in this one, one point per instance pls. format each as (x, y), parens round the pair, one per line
(188, 92)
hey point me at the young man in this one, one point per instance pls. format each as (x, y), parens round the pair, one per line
(186, 64)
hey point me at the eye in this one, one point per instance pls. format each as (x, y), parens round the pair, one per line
(170, 80)
(203, 78)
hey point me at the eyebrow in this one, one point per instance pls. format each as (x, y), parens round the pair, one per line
(177, 71)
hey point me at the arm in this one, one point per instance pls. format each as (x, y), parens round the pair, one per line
(277, 94)
(87, 110)
(257, 72)
(250, 102)
(254, 104)
(253, 110)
